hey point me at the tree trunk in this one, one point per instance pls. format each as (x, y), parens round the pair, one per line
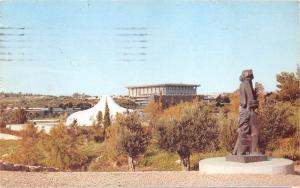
(131, 164)
(185, 163)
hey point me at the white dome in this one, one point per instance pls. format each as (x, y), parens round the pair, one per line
(89, 116)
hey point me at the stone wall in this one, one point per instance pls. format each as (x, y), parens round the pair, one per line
(17, 167)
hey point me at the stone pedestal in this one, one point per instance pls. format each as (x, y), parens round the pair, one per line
(246, 158)
(219, 165)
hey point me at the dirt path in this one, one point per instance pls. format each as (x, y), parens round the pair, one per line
(137, 179)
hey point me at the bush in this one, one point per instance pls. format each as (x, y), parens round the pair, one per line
(133, 138)
(187, 128)
(275, 124)
(287, 148)
(20, 116)
(28, 152)
(61, 148)
(109, 157)
(228, 124)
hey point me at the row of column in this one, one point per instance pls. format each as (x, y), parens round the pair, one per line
(175, 90)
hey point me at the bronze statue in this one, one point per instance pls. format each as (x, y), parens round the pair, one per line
(248, 128)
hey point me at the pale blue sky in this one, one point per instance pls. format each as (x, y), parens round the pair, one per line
(74, 46)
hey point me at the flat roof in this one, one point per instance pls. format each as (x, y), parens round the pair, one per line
(164, 85)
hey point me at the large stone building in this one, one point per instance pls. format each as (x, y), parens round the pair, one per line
(144, 93)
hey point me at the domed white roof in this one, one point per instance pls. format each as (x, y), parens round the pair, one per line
(89, 116)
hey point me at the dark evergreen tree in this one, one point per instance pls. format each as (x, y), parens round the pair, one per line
(98, 129)
(99, 119)
(106, 120)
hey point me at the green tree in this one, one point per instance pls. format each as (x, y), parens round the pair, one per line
(187, 128)
(99, 119)
(28, 152)
(61, 148)
(98, 130)
(289, 86)
(106, 120)
(133, 139)
(275, 124)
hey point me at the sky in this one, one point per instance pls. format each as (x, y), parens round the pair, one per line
(100, 47)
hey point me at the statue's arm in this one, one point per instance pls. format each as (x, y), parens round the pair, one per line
(249, 91)
(251, 99)
(243, 97)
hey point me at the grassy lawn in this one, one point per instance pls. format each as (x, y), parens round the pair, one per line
(157, 159)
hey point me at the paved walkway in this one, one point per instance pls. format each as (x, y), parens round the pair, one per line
(4, 136)
(138, 179)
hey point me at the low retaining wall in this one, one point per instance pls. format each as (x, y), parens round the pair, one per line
(17, 167)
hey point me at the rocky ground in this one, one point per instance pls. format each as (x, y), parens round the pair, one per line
(138, 179)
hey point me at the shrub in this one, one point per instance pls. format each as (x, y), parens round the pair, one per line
(97, 133)
(192, 127)
(108, 156)
(289, 86)
(275, 124)
(28, 152)
(228, 125)
(153, 110)
(133, 139)
(61, 148)
(287, 148)
(20, 116)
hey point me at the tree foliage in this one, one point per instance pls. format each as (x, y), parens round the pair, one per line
(234, 102)
(28, 152)
(228, 124)
(191, 128)
(98, 129)
(289, 86)
(133, 139)
(20, 116)
(275, 124)
(99, 119)
(153, 110)
(61, 147)
(106, 120)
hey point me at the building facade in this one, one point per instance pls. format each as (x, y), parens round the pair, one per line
(144, 93)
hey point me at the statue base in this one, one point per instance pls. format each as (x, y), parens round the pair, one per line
(246, 158)
(219, 165)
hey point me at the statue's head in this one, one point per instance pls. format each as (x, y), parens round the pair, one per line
(247, 75)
